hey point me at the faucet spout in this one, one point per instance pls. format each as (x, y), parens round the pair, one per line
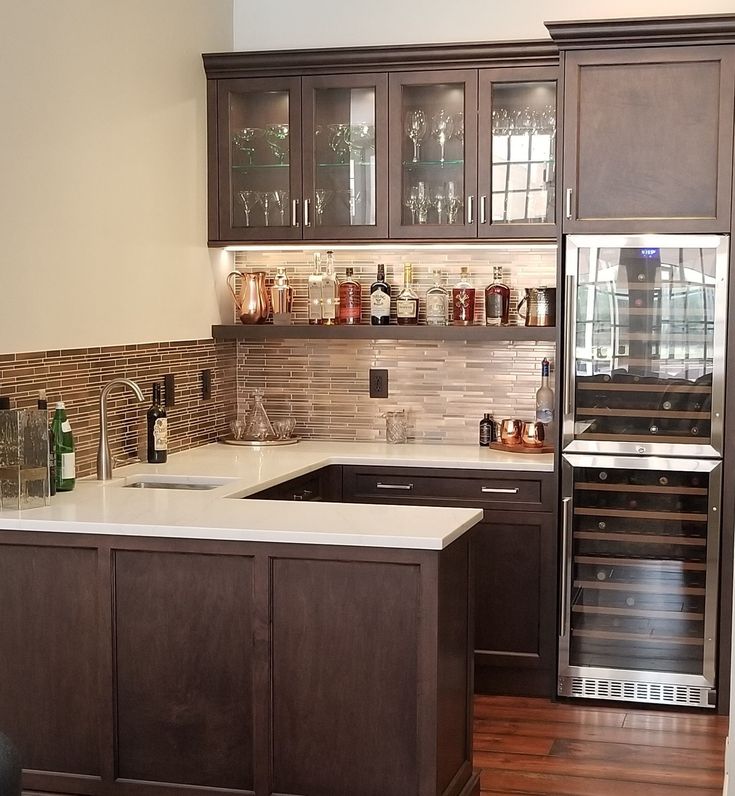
(104, 458)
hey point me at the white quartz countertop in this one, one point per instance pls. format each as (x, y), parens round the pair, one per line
(95, 507)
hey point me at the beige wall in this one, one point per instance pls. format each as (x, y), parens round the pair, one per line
(335, 23)
(103, 171)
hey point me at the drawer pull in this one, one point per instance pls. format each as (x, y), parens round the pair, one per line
(500, 490)
(381, 485)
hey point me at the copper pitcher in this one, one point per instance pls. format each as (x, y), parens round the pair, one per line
(540, 306)
(252, 301)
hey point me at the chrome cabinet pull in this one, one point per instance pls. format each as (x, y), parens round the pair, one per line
(569, 203)
(470, 209)
(295, 213)
(307, 220)
(483, 209)
(500, 490)
(406, 487)
(566, 505)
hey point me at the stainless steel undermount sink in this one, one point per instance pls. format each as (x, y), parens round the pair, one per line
(175, 482)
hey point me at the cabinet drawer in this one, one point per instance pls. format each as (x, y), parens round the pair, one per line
(510, 491)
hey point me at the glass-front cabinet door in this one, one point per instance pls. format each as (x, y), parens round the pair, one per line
(645, 344)
(517, 152)
(345, 156)
(259, 158)
(433, 142)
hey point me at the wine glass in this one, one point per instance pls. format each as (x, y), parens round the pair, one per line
(416, 130)
(442, 127)
(458, 123)
(339, 141)
(362, 137)
(275, 135)
(351, 198)
(322, 198)
(280, 200)
(264, 198)
(248, 200)
(454, 203)
(423, 202)
(412, 202)
(244, 140)
(439, 202)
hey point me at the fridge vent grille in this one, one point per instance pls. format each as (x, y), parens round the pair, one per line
(659, 693)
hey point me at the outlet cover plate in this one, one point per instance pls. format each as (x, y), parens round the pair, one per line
(378, 383)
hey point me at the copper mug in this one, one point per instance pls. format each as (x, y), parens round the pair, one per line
(252, 301)
(510, 431)
(532, 434)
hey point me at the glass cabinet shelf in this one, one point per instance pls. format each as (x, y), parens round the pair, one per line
(409, 164)
(257, 166)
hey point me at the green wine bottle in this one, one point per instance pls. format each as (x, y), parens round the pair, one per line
(64, 450)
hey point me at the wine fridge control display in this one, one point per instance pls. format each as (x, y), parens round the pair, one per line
(645, 344)
(640, 539)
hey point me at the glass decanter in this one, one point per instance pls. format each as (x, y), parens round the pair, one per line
(259, 426)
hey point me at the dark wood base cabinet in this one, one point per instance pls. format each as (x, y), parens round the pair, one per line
(153, 667)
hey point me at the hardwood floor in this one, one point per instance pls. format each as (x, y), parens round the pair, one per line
(535, 746)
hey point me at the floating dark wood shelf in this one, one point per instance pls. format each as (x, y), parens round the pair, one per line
(392, 332)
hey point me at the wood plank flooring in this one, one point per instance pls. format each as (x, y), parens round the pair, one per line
(536, 746)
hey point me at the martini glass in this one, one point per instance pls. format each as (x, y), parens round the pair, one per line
(275, 135)
(245, 138)
(248, 200)
(280, 200)
(322, 198)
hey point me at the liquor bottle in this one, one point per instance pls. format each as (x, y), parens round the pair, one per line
(463, 300)
(487, 430)
(437, 301)
(544, 396)
(350, 299)
(497, 300)
(315, 291)
(407, 303)
(330, 293)
(43, 405)
(157, 428)
(380, 299)
(63, 450)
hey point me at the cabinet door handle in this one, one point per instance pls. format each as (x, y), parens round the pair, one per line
(500, 490)
(483, 209)
(295, 213)
(406, 487)
(307, 220)
(568, 203)
(470, 209)
(566, 504)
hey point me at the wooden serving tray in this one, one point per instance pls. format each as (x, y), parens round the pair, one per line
(499, 446)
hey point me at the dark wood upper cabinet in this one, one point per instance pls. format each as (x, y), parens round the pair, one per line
(648, 139)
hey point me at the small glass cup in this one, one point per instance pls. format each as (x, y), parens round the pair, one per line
(284, 428)
(237, 428)
(396, 426)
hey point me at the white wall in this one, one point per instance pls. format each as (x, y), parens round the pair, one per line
(336, 23)
(103, 171)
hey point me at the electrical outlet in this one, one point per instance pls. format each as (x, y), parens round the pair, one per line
(378, 383)
(206, 384)
(169, 389)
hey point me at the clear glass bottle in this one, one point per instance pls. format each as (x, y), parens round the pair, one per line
(350, 299)
(463, 299)
(315, 291)
(380, 299)
(407, 303)
(544, 396)
(259, 425)
(437, 301)
(497, 300)
(330, 293)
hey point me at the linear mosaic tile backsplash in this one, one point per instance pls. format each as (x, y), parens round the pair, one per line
(77, 376)
(445, 386)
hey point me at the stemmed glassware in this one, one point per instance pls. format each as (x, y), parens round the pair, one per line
(361, 138)
(416, 130)
(264, 198)
(458, 123)
(244, 139)
(412, 202)
(280, 200)
(248, 200)
(339, 140)
(454, 203)
(322, 198)
(351, 199)
(275, 135)
(439, 202)
(442, 127)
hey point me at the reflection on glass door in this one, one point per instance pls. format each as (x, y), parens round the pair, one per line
(646, 344)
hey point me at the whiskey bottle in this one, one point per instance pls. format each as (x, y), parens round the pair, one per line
(330, 293)
(497, 300)
(544, 396)
(350, 299)
(380, 299)
(463, 300)
(315, 291)
(407, 303)
(437, 302)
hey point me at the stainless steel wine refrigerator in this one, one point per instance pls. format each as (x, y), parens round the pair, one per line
(642, 442)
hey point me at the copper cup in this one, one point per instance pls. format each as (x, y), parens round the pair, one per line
(510, 431)
(532, 434)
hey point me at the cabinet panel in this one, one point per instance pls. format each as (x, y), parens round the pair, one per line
(648, 139)
(183, 660)
(48, 649)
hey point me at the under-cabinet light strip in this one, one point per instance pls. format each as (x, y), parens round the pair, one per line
(311, 247)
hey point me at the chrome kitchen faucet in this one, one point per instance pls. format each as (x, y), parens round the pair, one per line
(104, 459)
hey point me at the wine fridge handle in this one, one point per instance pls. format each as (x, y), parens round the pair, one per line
(568, 203)
(295, 213)
(565, 590)
(307, 207)
(483, 209)
(470, 209)
(570, 366)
